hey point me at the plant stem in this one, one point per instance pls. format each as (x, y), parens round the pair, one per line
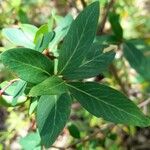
(144, 103)
(100, 32)
(83, 3)
(117, 78)
(7, 86)
(56, 147)
(104, 19)
(87, 138)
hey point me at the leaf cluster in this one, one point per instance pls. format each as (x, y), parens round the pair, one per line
(54, 83)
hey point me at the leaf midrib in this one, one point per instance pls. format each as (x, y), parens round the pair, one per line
(57, 85)
(89, 61)
(98, 99)
(55, 112)
(53, 86)
(44, 71)
(54, 116)
(76, 48)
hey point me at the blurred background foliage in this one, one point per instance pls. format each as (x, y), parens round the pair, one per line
(84, 131)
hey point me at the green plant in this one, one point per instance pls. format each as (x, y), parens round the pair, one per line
(54, 81)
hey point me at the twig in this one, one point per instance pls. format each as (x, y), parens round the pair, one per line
(106, 12)
(83, 3)
(7, 86)
(100, 31)
(117, 78)
(106, 126)
(144, 103)
(87, 138)
(60, 148)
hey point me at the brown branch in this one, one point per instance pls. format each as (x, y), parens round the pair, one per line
(49, 54)
(83, 3)
(100, 31)
(56, 147)
(144, 103)
(104, 19)
(87, 138)
(117, 78)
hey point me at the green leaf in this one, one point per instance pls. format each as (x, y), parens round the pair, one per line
(41, 31)
(106, 39)
(44, 41)
(51, 86)
(110, 104)
(115, 24)
(43, 37)
(28, 64)
(33, 104)
(18, 37)
(22, 15)
(31, 141)
(133, 55)
(29, 30)
(78, 39)
(51, 23)
(19, 90)
(61, 30)
(93, 64)
(52, 114)
(140, 44)
(28, 87)
(8, 96)
(74, 131)
(6, 100)
(137, 60)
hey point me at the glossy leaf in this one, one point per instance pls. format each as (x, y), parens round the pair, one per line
(93, 64)
(17, 37)
(28, 64)
(137, 60)
(106, 39)
(19, 90)
(103, 101)
(116, 26)
(78, 39)
(41, 31)
(51, 86)
(7, 97)
(44, 40)
(61, 30)
(74, 131)
(52, 114)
